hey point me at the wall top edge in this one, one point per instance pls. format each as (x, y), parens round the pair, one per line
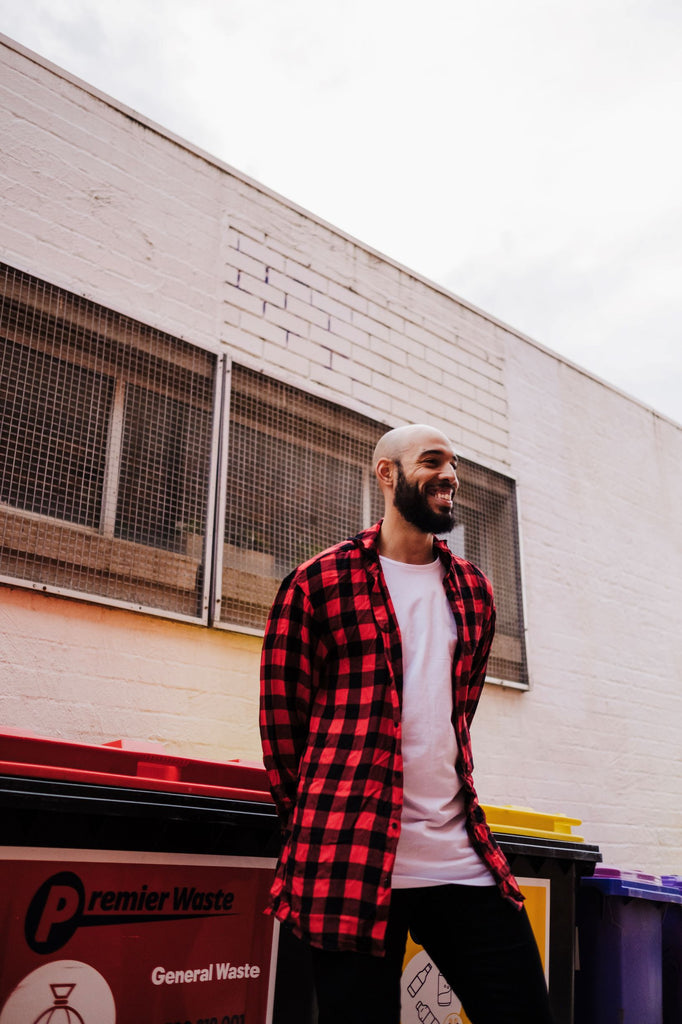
(209, 158)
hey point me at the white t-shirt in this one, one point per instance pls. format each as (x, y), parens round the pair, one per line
(434, 847)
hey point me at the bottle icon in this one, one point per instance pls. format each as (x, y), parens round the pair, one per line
(418, 980)
(60, 1012)
(444, 991)
(425, 1014)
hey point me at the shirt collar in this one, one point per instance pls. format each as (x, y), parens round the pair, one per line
(368, 541)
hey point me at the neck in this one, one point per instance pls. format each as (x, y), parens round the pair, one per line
(403, 542)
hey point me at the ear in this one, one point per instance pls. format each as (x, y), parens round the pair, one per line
(385, 471)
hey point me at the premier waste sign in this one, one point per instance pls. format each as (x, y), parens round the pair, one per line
(110, 937)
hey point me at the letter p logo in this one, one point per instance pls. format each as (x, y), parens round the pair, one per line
(55, 912)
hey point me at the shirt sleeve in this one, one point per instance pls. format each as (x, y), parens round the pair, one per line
(287, 684)
(479, 663)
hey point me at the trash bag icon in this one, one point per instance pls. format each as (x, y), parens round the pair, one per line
(60, 1012)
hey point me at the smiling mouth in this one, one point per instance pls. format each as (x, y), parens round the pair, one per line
(443, 495)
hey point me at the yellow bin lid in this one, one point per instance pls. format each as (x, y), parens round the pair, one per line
(524, 821)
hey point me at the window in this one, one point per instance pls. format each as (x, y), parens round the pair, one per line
(298, 480)
(106, 452)
(115, 455)
(487, 535)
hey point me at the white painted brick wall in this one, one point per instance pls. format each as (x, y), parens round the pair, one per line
(99, 202)
(91, 673)
(600, 731)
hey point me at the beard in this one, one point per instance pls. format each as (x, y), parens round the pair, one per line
(414, 506)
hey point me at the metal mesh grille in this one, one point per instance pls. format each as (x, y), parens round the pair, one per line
(52, 434)
(107, 469)
(487, 535)
(105, 450)
(298, 480)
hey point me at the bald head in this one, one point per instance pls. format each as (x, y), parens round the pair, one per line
(400, 440)
(416, 469)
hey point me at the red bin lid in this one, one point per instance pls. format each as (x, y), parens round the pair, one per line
(131, 765)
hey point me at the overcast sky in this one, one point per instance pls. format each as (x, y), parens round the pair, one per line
(524, 154)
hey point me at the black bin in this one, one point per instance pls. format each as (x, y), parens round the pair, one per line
(541, 848)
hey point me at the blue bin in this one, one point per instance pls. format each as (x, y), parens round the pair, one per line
(620, 942)
(672, 955)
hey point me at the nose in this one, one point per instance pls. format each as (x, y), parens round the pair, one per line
(449, 473)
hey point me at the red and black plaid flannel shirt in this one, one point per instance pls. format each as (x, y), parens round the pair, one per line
(331, 683)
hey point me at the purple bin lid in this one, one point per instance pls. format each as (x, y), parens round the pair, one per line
(634, 884)
(636, 877)
(672, 881)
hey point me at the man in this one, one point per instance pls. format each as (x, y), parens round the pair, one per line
(373, 663)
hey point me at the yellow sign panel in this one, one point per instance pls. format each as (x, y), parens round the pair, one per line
(426, 997)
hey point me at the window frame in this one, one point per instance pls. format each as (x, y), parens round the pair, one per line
(512, 684)
(20, 522)
(229, 624)
(485, 483)
(506, 488)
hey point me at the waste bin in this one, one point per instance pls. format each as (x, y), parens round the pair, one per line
(620, 926)
(672, 954)
(548, 861)
(132, 885)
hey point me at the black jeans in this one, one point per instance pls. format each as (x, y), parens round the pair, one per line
(482, 945)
